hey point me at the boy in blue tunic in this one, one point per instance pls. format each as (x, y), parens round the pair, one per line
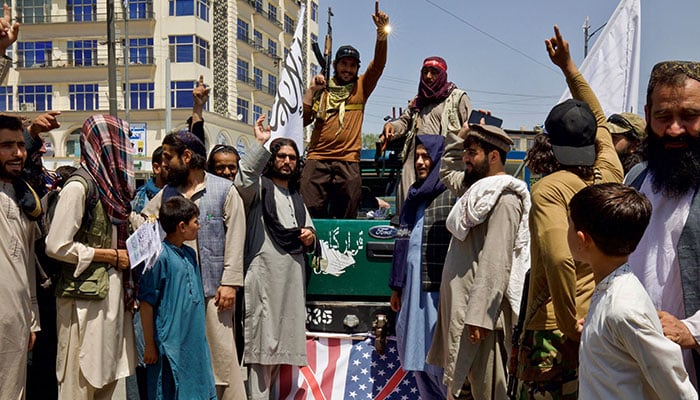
(172, 312)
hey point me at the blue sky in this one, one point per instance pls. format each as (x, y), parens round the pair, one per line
(515, 80)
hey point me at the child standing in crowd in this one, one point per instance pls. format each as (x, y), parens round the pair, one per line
(623, 353)
(172, 312)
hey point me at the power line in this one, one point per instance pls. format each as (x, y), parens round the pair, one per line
(483, 32)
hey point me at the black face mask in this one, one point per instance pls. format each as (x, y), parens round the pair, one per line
(674, 171)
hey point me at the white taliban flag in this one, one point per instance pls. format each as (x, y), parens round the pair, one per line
(287, 112)
(612, 66)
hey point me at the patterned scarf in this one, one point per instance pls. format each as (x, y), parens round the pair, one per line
(333, 99)
(107, 154)
(436, 92)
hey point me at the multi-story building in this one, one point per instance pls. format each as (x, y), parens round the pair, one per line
(61, 63)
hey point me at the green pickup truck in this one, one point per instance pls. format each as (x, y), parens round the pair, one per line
(349, 292)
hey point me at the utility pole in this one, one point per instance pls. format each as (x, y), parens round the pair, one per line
(111, 60)
(587, 36)
(127, 85)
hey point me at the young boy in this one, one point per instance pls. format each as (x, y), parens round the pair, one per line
(172, 312)
(623, 353)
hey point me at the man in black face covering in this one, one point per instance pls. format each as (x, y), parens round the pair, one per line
(438, 108)
(667, 260)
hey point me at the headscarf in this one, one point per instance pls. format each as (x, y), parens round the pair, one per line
(106, 153)
(419, 194)
(438, 90)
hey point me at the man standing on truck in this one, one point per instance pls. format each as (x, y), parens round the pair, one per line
(489, 239)
(438, 108)
(416, 268)
(330, 181)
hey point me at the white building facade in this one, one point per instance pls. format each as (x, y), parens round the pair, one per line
(61, 63)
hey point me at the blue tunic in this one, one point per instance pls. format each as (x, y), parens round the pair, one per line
(174, 288)
(417, 317)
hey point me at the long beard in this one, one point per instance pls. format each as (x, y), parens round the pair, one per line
(478, 171)
(178, 176)
(674, 171)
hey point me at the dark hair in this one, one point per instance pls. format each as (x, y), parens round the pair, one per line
(62, 174)
(486, 146)
(221, 148)
(541, 160)
(670, 77)
(157, 155)
(175, 210)
(614, 215)
(275, 146)
(11, 122)
(198, 161)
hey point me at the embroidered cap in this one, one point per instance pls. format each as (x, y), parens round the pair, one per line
(192, 142)
(492, 135)
(690, 68)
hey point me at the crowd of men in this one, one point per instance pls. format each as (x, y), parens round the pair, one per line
(491, 280)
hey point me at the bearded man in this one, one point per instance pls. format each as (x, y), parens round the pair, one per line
(19, 313)
(330, 181)
(667, 260)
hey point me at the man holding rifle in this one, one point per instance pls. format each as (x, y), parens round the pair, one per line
(330, 180)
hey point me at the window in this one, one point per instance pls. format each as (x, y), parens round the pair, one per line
(84, 97)
(314, 38)
(288, 24)
(257, 76)
(5, 98)
(242, 70)
(34, 11)
(315, 69)
(258, 5)
(82, 10)
(33, 53)
(242, 30)
(257, 112)
(271, 12)
(271, 84)
(272, 47)
(141, 51)
(314, 11)
(73, 143)
(202, 51)
(199, 8)
(189, 49)
(40, 96)
(258, 39)
(141, 96)
(203, 9)
(286, 53)
(181, 94)
(242, 110)
(140, 9)
(82, 52)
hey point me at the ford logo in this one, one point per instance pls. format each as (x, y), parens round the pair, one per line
(383, 232)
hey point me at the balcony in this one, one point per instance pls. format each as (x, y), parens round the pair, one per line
(91, 69)
(258, 48)
(85, 24)
(252, 86)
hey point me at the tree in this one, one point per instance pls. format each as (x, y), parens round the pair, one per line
(369, 140)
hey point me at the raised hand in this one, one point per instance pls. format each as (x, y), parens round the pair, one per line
(8, 31)
(558, 50)
(381, 20)
(262, 134)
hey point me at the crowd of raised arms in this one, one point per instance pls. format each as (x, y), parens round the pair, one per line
(584, 285)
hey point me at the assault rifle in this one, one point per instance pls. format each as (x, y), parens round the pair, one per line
(324, 58)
